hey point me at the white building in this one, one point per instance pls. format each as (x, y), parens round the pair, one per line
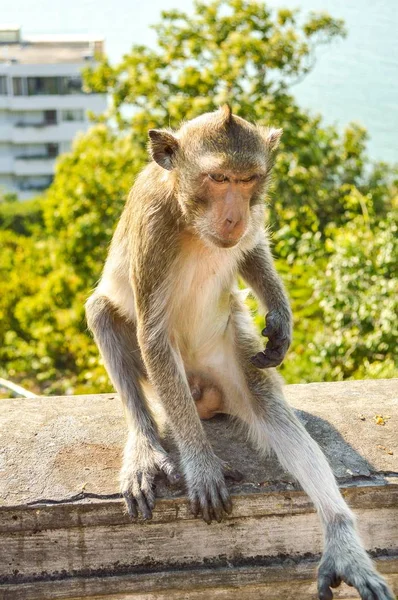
(42, 104)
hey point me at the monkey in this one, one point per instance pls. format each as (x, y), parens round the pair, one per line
(208, 398)
(171, 325)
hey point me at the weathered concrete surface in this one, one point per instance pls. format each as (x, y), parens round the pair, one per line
(63, 533)
(54, 448)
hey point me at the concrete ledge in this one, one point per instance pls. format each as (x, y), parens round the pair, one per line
(63, 532)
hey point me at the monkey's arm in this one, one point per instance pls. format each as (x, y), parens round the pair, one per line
(259, 272)
(203, 470)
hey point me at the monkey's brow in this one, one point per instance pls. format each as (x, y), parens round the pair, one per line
(222, 163)
(212, 162)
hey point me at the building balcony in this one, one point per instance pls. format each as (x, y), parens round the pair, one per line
(62, 132)
(6, 132)
(41, 133)
(94, 102)
(37, 125)
(34, 165)
(6, 165)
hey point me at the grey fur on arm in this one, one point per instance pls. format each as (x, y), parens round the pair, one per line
(259, 272)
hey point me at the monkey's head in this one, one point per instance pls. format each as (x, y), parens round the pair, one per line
(221, 165)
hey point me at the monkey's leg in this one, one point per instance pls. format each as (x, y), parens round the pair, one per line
(272, 423)
(144, 456)
(344, 557)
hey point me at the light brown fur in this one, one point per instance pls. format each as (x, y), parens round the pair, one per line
(171, 325)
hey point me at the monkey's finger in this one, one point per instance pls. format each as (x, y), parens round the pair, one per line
(195, 506)
(130, 505)
(382, 591)
(263, 360)
(273, 353)
(168, 468)
(212, 513)
(205, 509)
(325, 582)
(226, 500)
(216, 504)
(324, 591)
(379, 590)
(142, 505)
(148, 489)
(376, 591)
(270, 332)
(366, 593)
(278, 345)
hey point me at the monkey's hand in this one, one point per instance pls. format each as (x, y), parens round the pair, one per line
(207, 489)
(345, 560)
(278, 330)
(143, 460)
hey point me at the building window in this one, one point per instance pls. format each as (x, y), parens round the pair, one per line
(73, 115)
(52, 150)
(42, 86)
(50, 117)
(17, 86)
(71, 85)
(39, 86)
(47, 86)
(34, 183)
(3, 85)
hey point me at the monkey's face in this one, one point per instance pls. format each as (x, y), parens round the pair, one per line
(222, 164)
(222, 202)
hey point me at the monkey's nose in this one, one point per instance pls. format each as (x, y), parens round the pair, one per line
(231, 224)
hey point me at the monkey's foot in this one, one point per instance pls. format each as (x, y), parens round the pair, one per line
(207, 489)
(354, 567)
(142, 463)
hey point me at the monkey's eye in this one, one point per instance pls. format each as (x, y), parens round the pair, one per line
(248, 179)
(218, 177)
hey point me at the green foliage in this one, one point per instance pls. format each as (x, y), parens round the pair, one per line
(359, 301)
(22, 217)
(87, 196)
(331, 210)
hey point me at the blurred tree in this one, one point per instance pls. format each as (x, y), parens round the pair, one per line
(359, 301)
(330, 208)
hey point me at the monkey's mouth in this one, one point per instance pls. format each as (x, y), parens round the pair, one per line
(223, 242)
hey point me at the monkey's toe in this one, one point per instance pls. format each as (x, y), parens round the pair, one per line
(138, 479)
(131, 505)
(370, 585)
(140, 498)
(211, 500)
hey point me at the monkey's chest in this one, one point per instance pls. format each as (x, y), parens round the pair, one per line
(200, 309)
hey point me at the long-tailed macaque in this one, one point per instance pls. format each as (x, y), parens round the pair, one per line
(172, 328)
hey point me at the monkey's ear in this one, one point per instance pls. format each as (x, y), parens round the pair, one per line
(226, 112)
(162, 147)
(272, 137)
